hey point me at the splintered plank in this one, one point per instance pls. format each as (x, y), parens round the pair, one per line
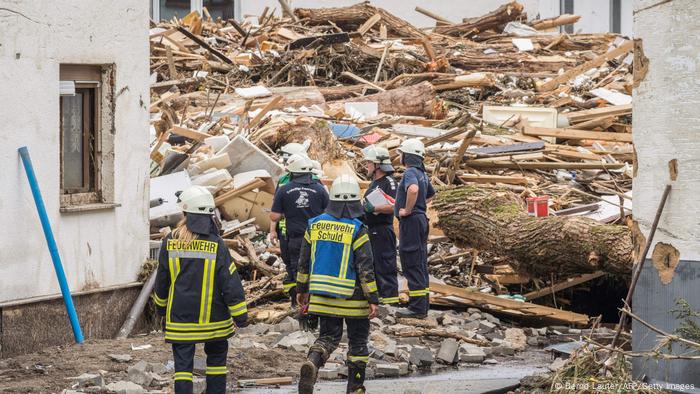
(575, 134)
(588, 114)
(494, 150)
(580, 69)
(189, 133)
(527, 165)
(570, 282)
(512, 180)
(511, 307)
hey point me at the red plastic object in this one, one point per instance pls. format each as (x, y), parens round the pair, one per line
(538, 206)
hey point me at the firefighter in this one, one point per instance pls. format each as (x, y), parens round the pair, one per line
(199, 291)
(297, 202)
(380, 223)
(415, 191)
(336, 282)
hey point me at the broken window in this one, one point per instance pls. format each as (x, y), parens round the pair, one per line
(81, 136)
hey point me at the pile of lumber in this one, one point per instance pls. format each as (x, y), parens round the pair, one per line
(506, 106)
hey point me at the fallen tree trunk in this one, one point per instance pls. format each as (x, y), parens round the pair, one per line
(415, 100)
(496, 221)
(564, 19)
(350, 18)
(500, 16)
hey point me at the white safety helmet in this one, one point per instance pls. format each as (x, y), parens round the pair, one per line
(292, 148)
(378, 155)
(299, 164)
(413, 146)
(345, 188)
(316, 169)
(196, 199)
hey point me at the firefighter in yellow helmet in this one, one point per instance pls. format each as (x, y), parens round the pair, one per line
(335, 280)
(199, 291)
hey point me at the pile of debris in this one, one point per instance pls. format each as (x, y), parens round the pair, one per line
(509, 109)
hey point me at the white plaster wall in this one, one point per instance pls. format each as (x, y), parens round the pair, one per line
(405, 9)
(108, 246)
(666, 120)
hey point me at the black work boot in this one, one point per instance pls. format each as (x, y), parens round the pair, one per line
(309, 372)
(356, 377)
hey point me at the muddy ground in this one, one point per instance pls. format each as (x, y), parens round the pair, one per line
(47, 371)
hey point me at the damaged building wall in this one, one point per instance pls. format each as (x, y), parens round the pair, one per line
(665, 128)
(102, 247)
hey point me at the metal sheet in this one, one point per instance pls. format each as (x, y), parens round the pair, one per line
(652, 302)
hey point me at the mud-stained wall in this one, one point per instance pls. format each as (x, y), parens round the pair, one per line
(30, 327)
(99, 248)
(666, 116)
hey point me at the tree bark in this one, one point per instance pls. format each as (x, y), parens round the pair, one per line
(415, 100)
(501, 16)
(350, 18)
(496, 221)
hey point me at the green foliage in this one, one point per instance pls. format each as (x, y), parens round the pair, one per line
(688, 328)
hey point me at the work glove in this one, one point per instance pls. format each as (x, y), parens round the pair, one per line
(369, 208)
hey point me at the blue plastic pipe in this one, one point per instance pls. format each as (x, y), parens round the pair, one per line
(53, 249)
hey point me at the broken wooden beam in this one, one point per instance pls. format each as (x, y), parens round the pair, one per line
(589, 114)
(502, 305)
(580, 69)
(575, 134)
(570, 282)
(500, 16)
(189, 133)
(482, 178)
(526, 165)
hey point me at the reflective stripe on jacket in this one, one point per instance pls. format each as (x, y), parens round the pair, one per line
(198, 290)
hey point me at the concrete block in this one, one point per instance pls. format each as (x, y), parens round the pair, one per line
(516, 338)
(486, 326)
(199, 385)
(329, 373)
(404, 369)
(120, 358)
(255, 329)
(503, 350)
(448, 351)
(451, 320)
(471, 354)
(289, 324)
(471, 325)
(296, 340)
(124, 387)
(413, 341)
(158, 368)
(90, 379)
(473, 310)
(388, 370)
(421, 357)
(491, 318)
(491, 361)
(139, 374)
(475, 316)
(200, 366)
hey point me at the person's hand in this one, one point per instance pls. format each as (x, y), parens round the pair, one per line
(302, 299)
(403, 212)
(273, 237)
(373, 311)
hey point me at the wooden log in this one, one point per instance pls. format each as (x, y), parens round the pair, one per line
(574, 134)
(415, 100)
(580, 69)
(564, 19)
(189, 133)
(435, 332)
(496, 221)
(500, 16)
(350, 18)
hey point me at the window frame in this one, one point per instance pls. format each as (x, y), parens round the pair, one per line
(97, 80)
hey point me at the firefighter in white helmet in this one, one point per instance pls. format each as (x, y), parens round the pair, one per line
(380, 221)
(339, 286)
(415, 191)
(193, 262)
(296, 202)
